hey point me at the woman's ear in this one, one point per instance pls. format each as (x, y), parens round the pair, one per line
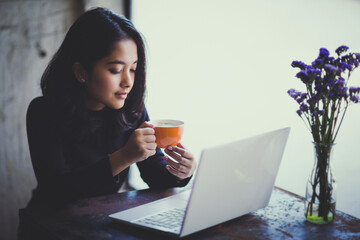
(80, 72)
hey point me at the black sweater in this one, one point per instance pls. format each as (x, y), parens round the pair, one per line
(67, 168)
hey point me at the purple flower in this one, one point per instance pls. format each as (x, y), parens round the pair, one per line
(357, 55)
(320, 88)
(331, 68)
(299, 64)
(354, 99)
(312, 72)
(319, 80)
(319, 112)
(326, 88)
(304, 107)
(298, 96)
(344, 66)
(340, 82)
(339, 90)
(346, 57)
(332, 95)
(342, 92)
(307, 76)
(303, 76)
(354, 90)
(317, 63)
(354, 61)
(293, 93)
(324, 53)
(314, 99)
(341, 49)
(329, 80)
(301, 98)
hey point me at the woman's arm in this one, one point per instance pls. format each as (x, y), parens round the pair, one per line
(51, 163)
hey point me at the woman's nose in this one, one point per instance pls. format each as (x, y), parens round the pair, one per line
(126, 80)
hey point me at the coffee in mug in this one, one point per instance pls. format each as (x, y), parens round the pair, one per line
(167, 132)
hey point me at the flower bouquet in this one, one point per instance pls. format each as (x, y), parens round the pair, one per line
(322, 107)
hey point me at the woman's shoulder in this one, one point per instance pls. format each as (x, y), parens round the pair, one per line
(37, 101)
(38, 104)
(38, 108)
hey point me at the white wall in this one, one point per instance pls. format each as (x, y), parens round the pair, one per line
(224, 68)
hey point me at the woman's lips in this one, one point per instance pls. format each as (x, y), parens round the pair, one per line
(121, 95)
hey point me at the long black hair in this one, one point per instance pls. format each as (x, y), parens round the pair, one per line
(89, 39)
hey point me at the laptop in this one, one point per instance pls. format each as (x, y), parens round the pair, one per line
(232, 180)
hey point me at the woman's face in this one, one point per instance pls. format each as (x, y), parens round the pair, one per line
(112, 77)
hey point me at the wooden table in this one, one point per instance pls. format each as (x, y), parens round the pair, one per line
(88, 219)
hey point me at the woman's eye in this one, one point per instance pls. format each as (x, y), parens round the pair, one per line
(133, 70)
(114, 71)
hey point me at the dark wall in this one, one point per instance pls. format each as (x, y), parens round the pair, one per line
(30, 33)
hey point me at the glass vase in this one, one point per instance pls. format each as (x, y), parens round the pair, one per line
(320, 197)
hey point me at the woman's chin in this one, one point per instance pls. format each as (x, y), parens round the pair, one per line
(117, 105)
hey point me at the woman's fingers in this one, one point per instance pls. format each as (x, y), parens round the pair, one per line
(176, 169)
(141, 143)
(185, 163)
(174, 155)
(149, 138)
(175, 165)
(176, 173)
(146, 125)
(181, 150)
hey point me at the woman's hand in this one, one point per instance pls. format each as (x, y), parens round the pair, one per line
(139, 147)
(185, 165)
(141, 144)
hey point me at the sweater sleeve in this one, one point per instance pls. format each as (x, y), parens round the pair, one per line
(56, 179)
(154, 172)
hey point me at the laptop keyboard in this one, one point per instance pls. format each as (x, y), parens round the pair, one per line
(170, 219)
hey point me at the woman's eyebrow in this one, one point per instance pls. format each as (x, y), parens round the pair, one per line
(118, 62)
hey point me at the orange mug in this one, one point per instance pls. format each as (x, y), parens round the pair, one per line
(167, 132)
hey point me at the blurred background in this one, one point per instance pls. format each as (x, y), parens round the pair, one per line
(223, 67)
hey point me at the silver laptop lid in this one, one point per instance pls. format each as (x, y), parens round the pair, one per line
(245, 184)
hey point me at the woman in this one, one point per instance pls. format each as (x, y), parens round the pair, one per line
(90, 124)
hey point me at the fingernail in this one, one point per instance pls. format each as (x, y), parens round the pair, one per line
(149, 124)
(170, 148)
